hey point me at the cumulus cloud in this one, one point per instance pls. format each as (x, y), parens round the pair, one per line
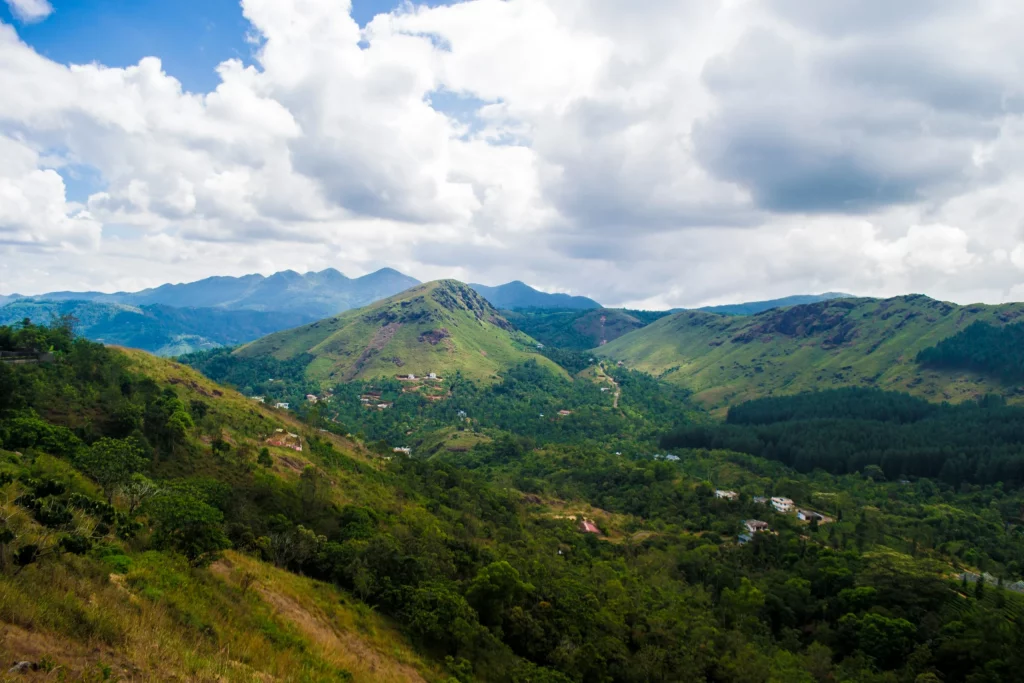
(30, 11)
(671, 153)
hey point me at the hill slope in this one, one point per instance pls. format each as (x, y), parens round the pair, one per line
(849, 342)
(518, 294)
(755, 307)
(441, 327)
(580, 329)
(159, 329)
(314, 295)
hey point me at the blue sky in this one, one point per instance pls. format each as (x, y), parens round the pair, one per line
(190, 36)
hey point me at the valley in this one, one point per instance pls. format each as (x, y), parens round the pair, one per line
(418, 490)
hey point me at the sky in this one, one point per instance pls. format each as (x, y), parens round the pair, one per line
(656, 154)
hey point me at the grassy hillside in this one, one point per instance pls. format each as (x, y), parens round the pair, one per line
(163, 330)
(755, 307)
(847, 342)
(579, 330)
(440, 327)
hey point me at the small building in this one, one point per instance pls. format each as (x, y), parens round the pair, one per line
(782, 504)
(383, 406)
(402, 449)
(588, 527)
(462, 414)
(282, 406)
(260, 399)
(432, 375)
(565, 412)
(540, 346)
(755, 525)
(727, 495)
(311, 398)
(743, 539)
(808, 515)
(760, 500)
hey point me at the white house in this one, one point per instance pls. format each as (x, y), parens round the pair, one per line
(282, 406)
(432, 375)
(257, 398)
(403, 449)
(728, 495)
(782, 504)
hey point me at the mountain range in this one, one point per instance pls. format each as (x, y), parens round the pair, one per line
(157, 328)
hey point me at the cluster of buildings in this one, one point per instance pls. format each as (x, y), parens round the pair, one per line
(780, 504)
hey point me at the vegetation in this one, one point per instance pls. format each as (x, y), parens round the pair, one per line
(156, 328)
(341, 561)
(726, 360)
(442, 327)
(579, 330)
(996, 351)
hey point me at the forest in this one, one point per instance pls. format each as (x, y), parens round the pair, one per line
(123, 463)
(981, 347)
(850, 430)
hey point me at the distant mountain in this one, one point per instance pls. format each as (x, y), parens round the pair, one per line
(514, 295)
(314, 295)
(441, 327)
(755, 307)
(580, 329)
(725, 360)
(163, 330)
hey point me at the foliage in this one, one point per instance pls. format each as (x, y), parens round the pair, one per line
(997, 351)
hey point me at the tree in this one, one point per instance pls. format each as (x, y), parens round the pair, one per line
(264, 458)
(495, 589)
(137, 490)
(188, 525)
(112, 462)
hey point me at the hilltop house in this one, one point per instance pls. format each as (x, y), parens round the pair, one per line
(782, 504)
(727, 495)
(755, 525)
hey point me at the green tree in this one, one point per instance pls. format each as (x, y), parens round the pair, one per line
(264, 458)
(495, 589)
(188, 525)
(112, 462)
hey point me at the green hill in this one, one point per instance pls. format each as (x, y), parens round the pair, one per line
(725, 360)
(580, 330)
(440, 327)
(755, 307)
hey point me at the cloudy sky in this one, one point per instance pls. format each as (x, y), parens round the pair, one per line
(656, 153)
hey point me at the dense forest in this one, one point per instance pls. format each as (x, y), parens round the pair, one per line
(850, 430)
(993, 350)
(123, 465)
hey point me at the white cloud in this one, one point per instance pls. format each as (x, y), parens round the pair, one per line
(668, 153)
(30, 11)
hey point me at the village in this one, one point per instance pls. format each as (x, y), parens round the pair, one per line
(779, 504)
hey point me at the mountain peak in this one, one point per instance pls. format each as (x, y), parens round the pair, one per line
(518, 294)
